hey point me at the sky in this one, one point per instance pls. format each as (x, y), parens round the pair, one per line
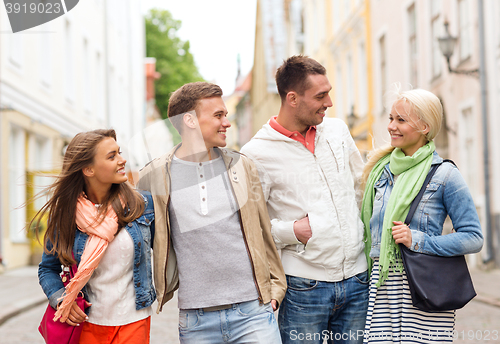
(218, 31)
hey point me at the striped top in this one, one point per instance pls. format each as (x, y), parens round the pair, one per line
(391, 317)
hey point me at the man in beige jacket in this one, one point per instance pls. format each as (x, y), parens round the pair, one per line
(213, 234)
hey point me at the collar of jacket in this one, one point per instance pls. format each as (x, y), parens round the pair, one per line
(269, 133)
(166, 160)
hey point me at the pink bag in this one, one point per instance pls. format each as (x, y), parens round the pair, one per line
(56, 332)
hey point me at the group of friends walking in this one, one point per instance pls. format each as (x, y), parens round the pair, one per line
(296, 223)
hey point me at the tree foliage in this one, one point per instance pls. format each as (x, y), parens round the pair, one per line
(174, 61)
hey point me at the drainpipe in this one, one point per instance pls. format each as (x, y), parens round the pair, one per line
(484, 116)
(2, 152)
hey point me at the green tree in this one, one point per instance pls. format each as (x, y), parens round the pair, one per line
(174, 61)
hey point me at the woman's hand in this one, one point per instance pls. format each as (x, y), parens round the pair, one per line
(401, 233)
(77, 315)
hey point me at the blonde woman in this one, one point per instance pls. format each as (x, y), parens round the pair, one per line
(393, 176)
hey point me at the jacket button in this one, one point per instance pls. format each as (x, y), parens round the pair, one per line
(130, 224)
(138, 264)
(416, 246)
(234, 172)
(139, 244)
(138, 284)
(147, 221)
(143, 303)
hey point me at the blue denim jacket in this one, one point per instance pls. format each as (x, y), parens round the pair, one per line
(446, 194)
(142, 232)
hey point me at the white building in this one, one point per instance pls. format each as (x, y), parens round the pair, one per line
(81, 71)
(404, 40)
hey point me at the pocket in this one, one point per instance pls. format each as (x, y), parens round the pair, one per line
(380, 187)
(300, 284)
(144, 224)
(430, 190)
(188, 318)
(253, 308)
(362, 278)
(338, 153)
(146, 219)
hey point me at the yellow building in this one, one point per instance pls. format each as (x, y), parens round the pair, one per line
(270, 50)
(33, 150)
(337, 34)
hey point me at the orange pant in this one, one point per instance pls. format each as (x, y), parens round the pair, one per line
(134, 333)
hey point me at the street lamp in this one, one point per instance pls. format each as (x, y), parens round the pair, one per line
(447, 45)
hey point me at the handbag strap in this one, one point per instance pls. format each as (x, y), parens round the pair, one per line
(416, 200)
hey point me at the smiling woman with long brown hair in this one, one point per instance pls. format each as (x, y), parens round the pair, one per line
(96, 220)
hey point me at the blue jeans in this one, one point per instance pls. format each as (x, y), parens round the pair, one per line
(313, 310)
(247, 322)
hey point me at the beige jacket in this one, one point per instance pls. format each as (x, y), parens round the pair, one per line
(268, 273)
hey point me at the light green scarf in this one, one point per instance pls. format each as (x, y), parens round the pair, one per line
(412, 171)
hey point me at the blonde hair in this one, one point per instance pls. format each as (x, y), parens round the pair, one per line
(425, 105)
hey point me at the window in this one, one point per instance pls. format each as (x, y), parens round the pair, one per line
(46, 59)
(41, 157)
(339, 96)
(437, 57)
(468, 159)
(316, 26)
(321, 18)
(347, 8)
(87, 95)
(335, 15)
(435, 7)
(383, 71)
(350, 85)
(99, 89)
(16, 57)
(362, 82)
(69, 72)
(412, 40)
(17, 185)
(465, 44)
(497, 3)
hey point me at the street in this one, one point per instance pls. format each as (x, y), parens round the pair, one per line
(23, 329)
(476, 323)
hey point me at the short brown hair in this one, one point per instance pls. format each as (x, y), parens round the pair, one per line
(186, 99)
(292, 74)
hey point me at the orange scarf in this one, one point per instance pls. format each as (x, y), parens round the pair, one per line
(100, 235)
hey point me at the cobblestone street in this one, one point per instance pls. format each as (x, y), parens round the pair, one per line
(476, 323)
(22, 329)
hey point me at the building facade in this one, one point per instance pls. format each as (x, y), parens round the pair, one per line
(405, 40)
(81, 71)
(369, 46)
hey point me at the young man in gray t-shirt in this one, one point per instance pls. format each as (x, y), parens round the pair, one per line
(213, 237)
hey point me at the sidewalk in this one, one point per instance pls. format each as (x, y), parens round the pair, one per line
(20, 290)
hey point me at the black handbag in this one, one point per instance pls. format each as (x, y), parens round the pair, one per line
(436, 283)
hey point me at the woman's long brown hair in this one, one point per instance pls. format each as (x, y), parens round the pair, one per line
(69, 185)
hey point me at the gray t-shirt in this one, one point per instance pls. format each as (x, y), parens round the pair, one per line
(214, 266)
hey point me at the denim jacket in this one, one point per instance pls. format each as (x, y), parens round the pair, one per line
(142, 232)
(446, 194)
